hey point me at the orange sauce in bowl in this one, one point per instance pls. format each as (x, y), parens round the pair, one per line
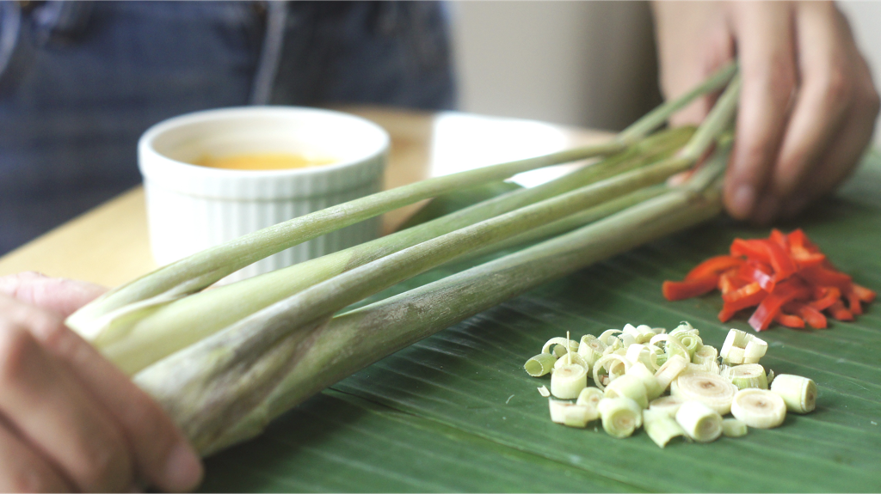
(264, 161)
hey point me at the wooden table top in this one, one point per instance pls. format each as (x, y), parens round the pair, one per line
(109, 245)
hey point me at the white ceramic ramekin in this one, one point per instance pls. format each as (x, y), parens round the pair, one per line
(192, 207)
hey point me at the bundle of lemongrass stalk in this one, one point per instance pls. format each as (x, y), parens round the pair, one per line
(223, 362)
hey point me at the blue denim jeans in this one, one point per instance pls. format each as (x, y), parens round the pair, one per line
(81, 81)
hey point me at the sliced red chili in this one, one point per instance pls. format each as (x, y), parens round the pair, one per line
(730, 281)
(825, 296)
(678, 290)
(786, 277)
(789, 320)
(839, 312)
(780, 239)
(798, 238)
(809, 314)
(759, 272)
(854, 303)
(780, 260)
(714, 266)
(749, 249)
(820, 275)
(804, 258)
(770, 306)
(865, 294)
(746, 296)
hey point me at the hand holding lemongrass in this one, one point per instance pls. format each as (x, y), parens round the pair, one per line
(808, 104)
(69, 419)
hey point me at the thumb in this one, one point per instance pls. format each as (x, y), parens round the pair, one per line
(59, 295)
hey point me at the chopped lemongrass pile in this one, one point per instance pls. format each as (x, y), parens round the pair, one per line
(671, 383)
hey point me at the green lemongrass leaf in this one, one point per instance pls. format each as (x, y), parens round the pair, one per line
(188, 320)
(202, 269)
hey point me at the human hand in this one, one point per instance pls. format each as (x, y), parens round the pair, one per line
(69, 419)
(808, 104)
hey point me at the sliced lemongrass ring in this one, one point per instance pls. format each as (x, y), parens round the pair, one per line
(746, 376)
(540, 365)
(713, 390)
(759, 408)
(568, 381)
(799, 393)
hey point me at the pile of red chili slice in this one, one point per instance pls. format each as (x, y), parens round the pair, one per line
(786, 277)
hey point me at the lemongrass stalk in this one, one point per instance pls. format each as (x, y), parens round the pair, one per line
(219, 415)
(759, 408)
(661, 427)
(718, 120)
(543, 391)
(540, 365)
(391, 324)
(210, 265)
(327, 297)
(799, 393)
(186, 321)
(661, 114)
(189, 275)
(572, 221)
(701, 423)
(620, 416)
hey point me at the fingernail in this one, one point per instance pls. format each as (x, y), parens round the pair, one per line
(183, 472)
(742, 201)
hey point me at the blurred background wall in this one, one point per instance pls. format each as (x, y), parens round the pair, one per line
(579, 63)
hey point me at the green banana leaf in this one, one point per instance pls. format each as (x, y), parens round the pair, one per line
(457, 412)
